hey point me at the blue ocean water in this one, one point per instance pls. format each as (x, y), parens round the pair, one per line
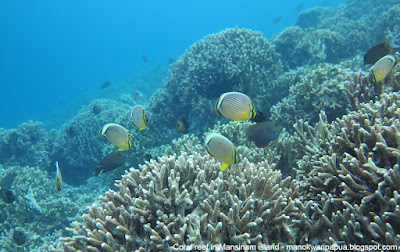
(56, 54)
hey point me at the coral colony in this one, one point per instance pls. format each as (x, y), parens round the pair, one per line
(329, 180)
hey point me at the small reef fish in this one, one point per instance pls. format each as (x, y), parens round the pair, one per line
(380, 50)
(109, 163)
(276, 20)
(137, 95)
(105, 84)
(5, 193)
(260, 117)
(299, 7)
(222, 149)
(264, 132)
(139, 117)
(384, 66)
(117, 135)
(235, 106)
(182, 126)
(19, 237)
(147, 157)
(59, 181)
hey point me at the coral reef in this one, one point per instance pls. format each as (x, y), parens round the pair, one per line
(323, 35)
(29, 144)
(234, 59)
(81, 147)
(39, 210)
(351, 174)
(317, 90)
(187, 200)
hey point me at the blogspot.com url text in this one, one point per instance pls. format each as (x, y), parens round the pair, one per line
(277, 247)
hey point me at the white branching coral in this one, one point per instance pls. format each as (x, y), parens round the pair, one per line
(187, 200)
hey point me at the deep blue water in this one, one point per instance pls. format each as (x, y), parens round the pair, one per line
(54, 53)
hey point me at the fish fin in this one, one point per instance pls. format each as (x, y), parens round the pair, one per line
(121, 149)
(238, 121)
(95, 170)
(223, 166)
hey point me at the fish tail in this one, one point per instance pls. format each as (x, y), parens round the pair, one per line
(223, 166)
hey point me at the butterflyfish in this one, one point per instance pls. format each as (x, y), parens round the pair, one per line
(235, 106)
(380, 50)
(117, 135)
(383, 67)
(139, 117)
(222, 149)
(264, 132)
(59, 181)
(109, 163)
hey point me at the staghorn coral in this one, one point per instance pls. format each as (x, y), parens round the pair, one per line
(318, 90)
(350, 174)
(360, 87)
(186, 200)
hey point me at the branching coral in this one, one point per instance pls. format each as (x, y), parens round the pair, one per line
(352, 172)
(318, 90)
(187, 200)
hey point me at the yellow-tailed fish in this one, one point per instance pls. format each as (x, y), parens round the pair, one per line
(59, 181)
(222, 149)
(139, 117)
(235, 106)
(383, 67)
(117, 135)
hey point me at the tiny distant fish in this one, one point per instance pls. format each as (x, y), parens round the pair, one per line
(136, 96)
(263, 133)
(324, 3)
(182, 126)
(144, 58)
(5, 193)
(276, 20)
(147, 157)
(299, 7)
(383, 67)
(105, 84)
(139, 117)
(7, 196)
(8, 180)
(235, 106)
(171, 60)
(222, 149)
(380, 50)
(109, 163)
(59, 181)
(117, 135)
